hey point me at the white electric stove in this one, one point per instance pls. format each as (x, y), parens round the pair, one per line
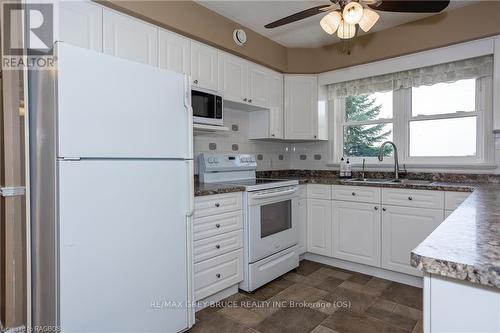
(271, 233)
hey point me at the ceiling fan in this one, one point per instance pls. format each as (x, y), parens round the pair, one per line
(343, 15)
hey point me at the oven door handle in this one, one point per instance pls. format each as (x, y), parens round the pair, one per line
(274, 194)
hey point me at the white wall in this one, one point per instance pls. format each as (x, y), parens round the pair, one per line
(271, 151)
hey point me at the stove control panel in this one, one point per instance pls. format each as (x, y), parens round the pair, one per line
(227, 162)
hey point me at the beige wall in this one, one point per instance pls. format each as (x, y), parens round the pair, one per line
(463, 24)
(195, 21)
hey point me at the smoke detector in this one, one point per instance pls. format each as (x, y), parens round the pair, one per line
(240, 37)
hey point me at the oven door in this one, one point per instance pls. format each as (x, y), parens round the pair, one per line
(272, 221)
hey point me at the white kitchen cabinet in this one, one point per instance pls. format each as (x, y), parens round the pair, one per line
(454, 199)
(130, 38)
(319, 226)
(302, 247)
(204, 66)
(233, 78)
(301, 107)
(403, 228)
(80, 24)
(259, 83)
(175, 52)
(276, 106)
(356, 232)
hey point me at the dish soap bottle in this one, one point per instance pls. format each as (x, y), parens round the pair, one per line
(348, 169)
(342, 173)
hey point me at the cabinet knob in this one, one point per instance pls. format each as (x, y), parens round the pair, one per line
(195, 81)
(273, 135)
(250, 100)
(353, 194)
(217, 246)
(217, 275)
(410, 198)
(376, 208)
(217, 205)
(217, 225)
(244, 99)
(384, 209)
(315, 136)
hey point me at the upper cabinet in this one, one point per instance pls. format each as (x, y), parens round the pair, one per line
(175, 52)
(129, 38)
(301, 107)
(243, 82)
(276, 107)
(80, 24)
(204, 66)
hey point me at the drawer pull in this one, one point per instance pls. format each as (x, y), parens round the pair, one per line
(217, 275)
(217, 205)
(376, 208)
(195, 81)
(217, 246)
(410, 198)
(217, 225)
(353, 194)
(384, 209)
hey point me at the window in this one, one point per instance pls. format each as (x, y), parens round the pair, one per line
(443, 121)
(367, 123)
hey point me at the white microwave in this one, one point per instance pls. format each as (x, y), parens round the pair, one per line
(207, 107)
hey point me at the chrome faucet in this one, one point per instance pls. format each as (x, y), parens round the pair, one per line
(396, 162)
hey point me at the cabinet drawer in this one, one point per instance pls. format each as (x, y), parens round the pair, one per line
(453, 199)
(356, 193)
(213, 246)
(316, 191)
(216, 204)
(216, 274)
(214, 225)
(413, 198)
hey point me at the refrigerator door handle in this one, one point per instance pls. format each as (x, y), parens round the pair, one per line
(13, 191)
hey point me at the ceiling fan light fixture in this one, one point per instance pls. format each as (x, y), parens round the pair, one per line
(330, 22)
(353, 12)
(368, 20)
(346, 30)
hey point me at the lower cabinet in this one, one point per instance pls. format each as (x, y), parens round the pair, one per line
(302, 248)
(403, 228)
(319, 226)
(356, 232)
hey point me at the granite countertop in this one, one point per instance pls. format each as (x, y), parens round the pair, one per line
(215, 188)
(466, 245)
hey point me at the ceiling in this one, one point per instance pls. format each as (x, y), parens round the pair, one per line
(306, 33)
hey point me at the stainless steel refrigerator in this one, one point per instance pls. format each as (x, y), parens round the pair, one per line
(111, 195)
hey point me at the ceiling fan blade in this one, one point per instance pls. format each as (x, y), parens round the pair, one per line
(411, 6)
(297, 16)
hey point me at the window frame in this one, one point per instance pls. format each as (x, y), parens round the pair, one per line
(402, 116)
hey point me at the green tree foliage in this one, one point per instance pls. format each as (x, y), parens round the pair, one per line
(364, 140)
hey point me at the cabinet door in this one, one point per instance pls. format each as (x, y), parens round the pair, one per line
(129, 38)
(80, 24)
(356, 232)
(319, 226)
(259, 83)
(301, 107)
(204, 66)
(403, 228)
(276, 107)
(233, 73)
(175, 52)
(302, 248)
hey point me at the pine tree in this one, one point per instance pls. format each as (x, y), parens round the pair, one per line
(363, 140)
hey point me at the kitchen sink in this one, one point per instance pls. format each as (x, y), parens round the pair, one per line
(389, 181)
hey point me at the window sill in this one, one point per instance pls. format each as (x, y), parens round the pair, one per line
(422, 166)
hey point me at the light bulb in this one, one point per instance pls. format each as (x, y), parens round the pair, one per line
(369, 19)
(346, 30)
(352, 13)
(330, 22)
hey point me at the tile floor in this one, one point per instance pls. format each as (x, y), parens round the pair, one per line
(319, 299)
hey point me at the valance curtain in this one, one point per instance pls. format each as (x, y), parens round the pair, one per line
(449, 72)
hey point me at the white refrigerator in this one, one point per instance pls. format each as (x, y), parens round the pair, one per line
(111, 180)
